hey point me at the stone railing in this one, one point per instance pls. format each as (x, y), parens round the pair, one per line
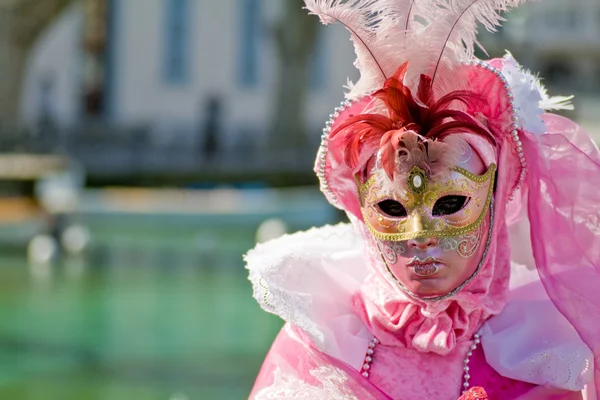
(105, 151)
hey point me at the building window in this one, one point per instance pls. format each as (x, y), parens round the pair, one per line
(249, 42)
(318, 62)
(177, 32)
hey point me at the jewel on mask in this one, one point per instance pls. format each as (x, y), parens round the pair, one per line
(417, 180)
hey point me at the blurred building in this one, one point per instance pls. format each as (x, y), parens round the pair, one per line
(557, 38)
(177, 67)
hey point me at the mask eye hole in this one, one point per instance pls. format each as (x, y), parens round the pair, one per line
(392, 208)
(448, 205)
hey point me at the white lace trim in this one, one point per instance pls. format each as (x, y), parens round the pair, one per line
(289, 386)
(284, 264)
(307, 279)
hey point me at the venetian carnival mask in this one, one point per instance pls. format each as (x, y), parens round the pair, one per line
(432, 232)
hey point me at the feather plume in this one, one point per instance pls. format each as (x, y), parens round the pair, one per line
(522, 79)
(434, 35)
(381, 31)
(359, 18)
(549, 103)
(426, 119)
(530, 96)
(451, 37)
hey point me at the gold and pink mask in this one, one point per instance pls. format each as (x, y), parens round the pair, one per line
(451, 206)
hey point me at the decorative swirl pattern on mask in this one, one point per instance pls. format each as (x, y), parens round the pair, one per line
(465, 245)
(391, 250)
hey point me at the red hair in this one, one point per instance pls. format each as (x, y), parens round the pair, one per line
(429, 118)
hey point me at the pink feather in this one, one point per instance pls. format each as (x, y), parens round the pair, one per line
(402, 133)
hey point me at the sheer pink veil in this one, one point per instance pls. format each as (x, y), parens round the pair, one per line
(562, 196)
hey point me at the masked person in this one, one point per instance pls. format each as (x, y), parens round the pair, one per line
(438, 158)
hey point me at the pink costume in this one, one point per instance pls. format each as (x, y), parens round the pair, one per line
(406, 157)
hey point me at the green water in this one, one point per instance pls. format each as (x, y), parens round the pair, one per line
(128, 332)
(158, 307)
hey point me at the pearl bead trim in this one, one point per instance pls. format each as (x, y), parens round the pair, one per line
(467, 376)
(322, 155)
(364, 370)
(515, 122)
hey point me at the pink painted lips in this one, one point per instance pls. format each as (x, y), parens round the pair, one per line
(425, 268)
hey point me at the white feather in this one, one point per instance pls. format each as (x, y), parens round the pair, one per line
(433, 35)
(452, 36)
(530, 96)
(549, 103)
(381, 31)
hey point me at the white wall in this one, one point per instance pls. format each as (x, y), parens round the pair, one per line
(143, 96)
(140, 95)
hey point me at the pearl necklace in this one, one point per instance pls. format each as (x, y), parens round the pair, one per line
(368, 361)
(364, 370)
(466, 376)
